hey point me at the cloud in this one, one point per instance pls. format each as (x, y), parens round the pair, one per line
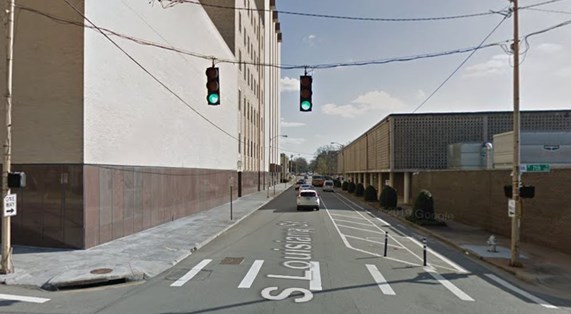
(285, 124)
(420, 94)
(550, 48)
(375, 101)
(288, 84)
(310, 39)
(499, 64)
(292, 140)
(564, 72)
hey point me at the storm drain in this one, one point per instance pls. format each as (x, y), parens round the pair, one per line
(87, 284)
(98, 277)
(232, 261)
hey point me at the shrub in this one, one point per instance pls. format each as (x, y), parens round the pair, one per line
(425, 204)
(337, 183)
(359, 190)
(388, 197)
(423, 210)
(345, 186)
(351, 188)
(370, 194)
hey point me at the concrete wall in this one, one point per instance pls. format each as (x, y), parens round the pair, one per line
(47, 111)
(130, 119)
(477, 198)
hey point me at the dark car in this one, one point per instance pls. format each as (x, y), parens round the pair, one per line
(317, 180)
(298, 183)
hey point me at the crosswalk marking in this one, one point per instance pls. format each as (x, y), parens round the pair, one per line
(450, 286)
(191, 273)
(380, 280)
(315, 281)
(23, 298)
(521, 292)
(251, 275)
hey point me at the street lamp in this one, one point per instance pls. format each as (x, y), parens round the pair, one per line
(270, 160)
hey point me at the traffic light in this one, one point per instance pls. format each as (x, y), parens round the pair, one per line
(213, 86)
(305, 103)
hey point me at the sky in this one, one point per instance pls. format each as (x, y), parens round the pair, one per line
(349, 100)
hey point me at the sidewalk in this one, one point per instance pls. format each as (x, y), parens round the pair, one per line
(543, 267)
(135, 257)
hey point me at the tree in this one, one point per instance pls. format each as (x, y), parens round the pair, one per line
(325, 161)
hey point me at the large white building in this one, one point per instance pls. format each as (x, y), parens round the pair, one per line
(114, 132)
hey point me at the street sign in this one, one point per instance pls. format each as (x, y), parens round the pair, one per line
(511, 208)
(10, 205)
(534, 168)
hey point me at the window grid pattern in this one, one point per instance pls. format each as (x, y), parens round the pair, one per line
(421, 141)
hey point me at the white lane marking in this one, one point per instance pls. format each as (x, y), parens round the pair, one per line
(191, 273)
(380, 280)
(352, 222)
(361, 229)
(459, 268)
(251, 275)
(377, 218)
(372, 241)
(521, 292)
(346, 216)
(315, 281)
(450, 286)
(23, 298)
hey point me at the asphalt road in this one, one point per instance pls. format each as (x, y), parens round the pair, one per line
(281, 260)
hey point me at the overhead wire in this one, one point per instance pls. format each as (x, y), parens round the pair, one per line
(156, 79)
(460, 66)
(172, 3)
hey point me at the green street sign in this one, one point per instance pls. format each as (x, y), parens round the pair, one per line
(535, 168)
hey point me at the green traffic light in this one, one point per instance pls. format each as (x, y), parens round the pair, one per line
(305, 105)
(213, 99)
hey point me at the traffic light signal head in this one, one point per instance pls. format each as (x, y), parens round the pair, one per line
(213, 86)
(305, 103)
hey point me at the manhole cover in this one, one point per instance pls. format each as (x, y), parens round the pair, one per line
(232, 260)
(99, 271)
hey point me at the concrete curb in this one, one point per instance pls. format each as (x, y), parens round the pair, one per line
(211, 238)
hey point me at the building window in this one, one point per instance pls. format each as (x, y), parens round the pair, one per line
(239, 100)
(239, 21)
(239, 142)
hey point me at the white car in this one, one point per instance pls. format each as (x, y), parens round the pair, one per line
(328, 186)
(306, 186)
(308, 199)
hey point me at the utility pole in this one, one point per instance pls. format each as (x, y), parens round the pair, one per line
(7, 267)
(516, 175)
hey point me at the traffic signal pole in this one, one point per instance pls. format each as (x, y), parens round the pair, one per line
(7, 266)
(516, 175)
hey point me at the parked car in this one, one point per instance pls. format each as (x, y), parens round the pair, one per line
(308, 199)
(328, 186)
(298, 184)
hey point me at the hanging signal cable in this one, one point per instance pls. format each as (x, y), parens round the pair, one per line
(171, 3)
(461, 64)
(105, 31)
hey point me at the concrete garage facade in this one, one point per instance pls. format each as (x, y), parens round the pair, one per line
(409, 153)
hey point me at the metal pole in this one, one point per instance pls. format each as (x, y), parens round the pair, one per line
(270, 167)
(7, 266)
(424, 251)
(516, 176)
(230, 202)
(386, 242)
